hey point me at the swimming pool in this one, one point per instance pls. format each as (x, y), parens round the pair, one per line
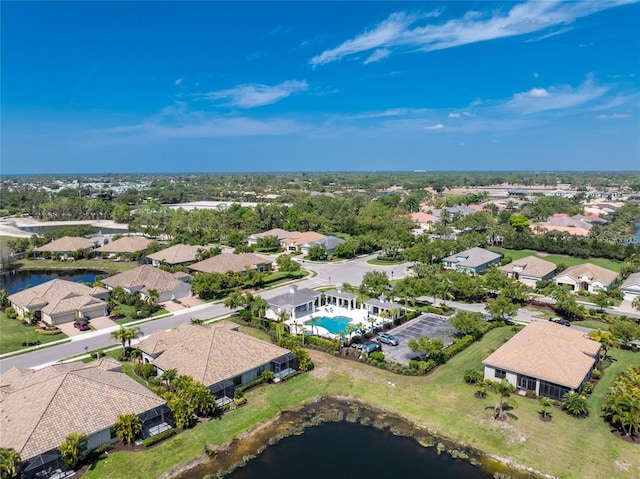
(334, 325)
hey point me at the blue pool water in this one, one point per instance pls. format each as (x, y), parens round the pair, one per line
(333, 325)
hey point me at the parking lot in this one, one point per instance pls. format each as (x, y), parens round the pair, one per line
(426, 324)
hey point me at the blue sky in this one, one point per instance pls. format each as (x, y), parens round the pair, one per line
(314, 86)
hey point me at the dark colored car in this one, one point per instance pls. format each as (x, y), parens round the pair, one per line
(387, 338)
(419, 357)
(561, 321)
(81, 325)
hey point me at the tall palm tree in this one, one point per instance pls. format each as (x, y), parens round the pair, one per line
(128, 427)
(504, 390)
(120, 335)
(71, 448)
(10, 463)
(132, 333)
(350, 328)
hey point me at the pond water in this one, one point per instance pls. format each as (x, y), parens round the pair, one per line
(16, 281)
(344, 450)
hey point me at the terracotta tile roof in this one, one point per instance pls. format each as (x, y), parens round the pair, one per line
(41, 407)
(531, 266)
(279, 233)
(209, 354)
(177, 254)
(421, 217)
(226, 262)
(57, 295)
(66, 244)
(144, 278)
(126, 244)
(548, 351)
(592, 271)
(302, 238)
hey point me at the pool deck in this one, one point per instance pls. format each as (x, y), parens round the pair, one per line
(330, 311)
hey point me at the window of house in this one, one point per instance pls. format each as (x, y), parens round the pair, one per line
(237, 380)
(501, 374)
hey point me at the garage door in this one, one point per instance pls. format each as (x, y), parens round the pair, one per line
(94, 312)
(65, 317)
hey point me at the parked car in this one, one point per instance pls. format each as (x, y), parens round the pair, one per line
(387, 338)
(419, 357)
(370, 347)
(81, 325)
(564, 322)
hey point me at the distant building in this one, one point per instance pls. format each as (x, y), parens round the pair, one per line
(530, 270)
(179, 254)
(146, 278)
(122, 246)
(66, 246)
(472, 260)
(587, 277)
(230, 262)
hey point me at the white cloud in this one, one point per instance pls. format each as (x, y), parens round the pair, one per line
(454, 115)
(437, 126)
(391, 112)
(253, 95)
(179, 81)
(555, 98)
(378, 55)
(470, 115)
(613, 116)
(536, 75)
(411, 32)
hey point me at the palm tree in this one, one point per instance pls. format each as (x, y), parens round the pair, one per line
(626, 412)
(120, 335)
(128, 427)
(545, 404)
(575, 404)
(10, 463)
(350, 328)
(136, 354)
(504, 390)
(283, 315)
(71, 448)
(152, 297)
(168, 376)
(259, 306)
(603, 337)
(132, 333)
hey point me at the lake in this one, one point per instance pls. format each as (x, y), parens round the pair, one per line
(344, 450)
(13, 282)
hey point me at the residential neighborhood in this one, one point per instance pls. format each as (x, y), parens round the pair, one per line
(197, 329)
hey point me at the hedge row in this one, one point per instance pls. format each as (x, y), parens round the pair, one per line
(44, 332)
(150, 441)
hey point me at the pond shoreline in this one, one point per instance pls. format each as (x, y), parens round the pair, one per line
(221, 460)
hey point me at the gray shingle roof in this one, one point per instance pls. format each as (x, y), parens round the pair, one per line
(472, 258)
(294, 298)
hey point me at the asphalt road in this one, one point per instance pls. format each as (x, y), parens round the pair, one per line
(327, 274)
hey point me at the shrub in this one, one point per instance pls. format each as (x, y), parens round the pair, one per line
(575, 404)
(44, 332)
(150, 441)
(472, 376)
(376, 356)
(268, 376)
(531, 394)
(239, 399)
(596, 374)
(11, 312)
(588, 388)
(144, 370)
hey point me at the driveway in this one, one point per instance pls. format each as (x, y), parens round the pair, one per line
(69, 330)
(103, 322)
(427, 324)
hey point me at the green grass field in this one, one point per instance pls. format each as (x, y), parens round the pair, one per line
(565, 447)
(558, 258)
(13, 333)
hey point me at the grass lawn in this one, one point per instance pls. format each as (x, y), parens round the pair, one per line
(592, 324)
(377, 262)
(558, 258)
(13, 333)
(565, 447)
(542, 313)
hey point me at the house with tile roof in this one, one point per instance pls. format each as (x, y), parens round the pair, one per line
(473, 260)
(544, 357)
(279, 233)
(587, 277)
(329, 243)
(295, 241)
(179, 254)
(231, 262)
(218, 356)
(529, 270)
(121, 247)
(38, 408)
(145, 278)
(59, 301)
(65, 246)
(631, 287)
